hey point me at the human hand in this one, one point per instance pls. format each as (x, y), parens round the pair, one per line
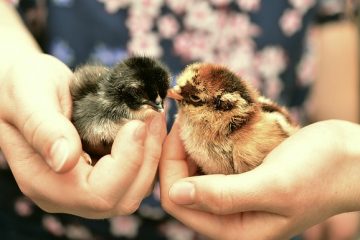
(35, 100)
(309, 177)
(35, 108)
(342, 226)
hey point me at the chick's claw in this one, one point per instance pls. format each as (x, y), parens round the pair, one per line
(86, 157)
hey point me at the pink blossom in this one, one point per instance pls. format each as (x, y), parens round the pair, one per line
(147, 7)
(302, 5)
(249, 5)
(112, 6)
(306, 70)
(193, 46)
(242, 57)
(147, 44)
(79, 232)
(23, 207)
(168, 26)
(242, 27)
(127, 226)
(273, 87)
(177, 231)
(200, 44)
(271, 62)
(53, 225)
(221, 19)
(290, 22)
(139, 23)
(182, 45)
(200, 16)
(179, 6)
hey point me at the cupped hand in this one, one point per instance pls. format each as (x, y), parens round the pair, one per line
(309, 177)
(44, 150)
(35, 100)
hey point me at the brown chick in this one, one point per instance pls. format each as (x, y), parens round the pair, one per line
(226, 126)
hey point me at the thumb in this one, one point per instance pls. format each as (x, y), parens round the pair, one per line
(55, 138)
(36, 100)
(227, 194)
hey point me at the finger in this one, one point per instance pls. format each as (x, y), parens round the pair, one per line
(37, 105)
(156, 132)
(18, 152)
(228, 194)
(113, 174)
(314, 233)
(173, 164)
(207, 192)
(96, 189)
(49, 190)
(173, 168)
(343, 226)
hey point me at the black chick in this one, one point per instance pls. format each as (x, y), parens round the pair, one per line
(106, 98)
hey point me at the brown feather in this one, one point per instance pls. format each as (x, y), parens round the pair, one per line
(225, 125)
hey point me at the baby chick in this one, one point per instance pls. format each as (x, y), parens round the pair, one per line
(226, 126)
(105, 98)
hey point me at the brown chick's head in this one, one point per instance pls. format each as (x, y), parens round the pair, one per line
(210, 94)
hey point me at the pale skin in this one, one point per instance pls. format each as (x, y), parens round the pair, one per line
(310, 177)
(42, 146)
(37, 92)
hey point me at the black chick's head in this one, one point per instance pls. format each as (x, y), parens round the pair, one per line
(139, 81)
(211, 91)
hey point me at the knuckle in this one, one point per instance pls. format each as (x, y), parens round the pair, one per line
(153, 157)
(32, 127)
(133, 165)
(220, 201)
(29, 191)
(26, 189)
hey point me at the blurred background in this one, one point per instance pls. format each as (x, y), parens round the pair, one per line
(304, 54)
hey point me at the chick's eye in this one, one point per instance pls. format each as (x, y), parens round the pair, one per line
(194, 98)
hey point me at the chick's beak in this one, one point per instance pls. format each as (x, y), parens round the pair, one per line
(159, 104)
(156, 105)
(174, 93)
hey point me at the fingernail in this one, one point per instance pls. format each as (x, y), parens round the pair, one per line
(58, 154)
(156, 124)
(182, 193)
(140, 131)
